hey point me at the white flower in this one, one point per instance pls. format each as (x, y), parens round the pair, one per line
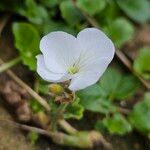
(82, 59)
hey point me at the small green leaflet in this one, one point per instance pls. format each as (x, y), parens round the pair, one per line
(57, 26)
(33, 137)
(35, 106)
(118, 35)
(138, 10)
(117, 86)
(70, 13)
(142, 63)
(91, 99)
(27, 41)
(140, 116)
(117, 124)
(74, 110)
(91, 7)
(34, 12)
(99, 126)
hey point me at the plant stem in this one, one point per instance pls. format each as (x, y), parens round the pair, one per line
(9, 64)
(67, 127)
(62, 108)
(57, 115)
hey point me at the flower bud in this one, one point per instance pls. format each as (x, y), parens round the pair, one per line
(56, 89)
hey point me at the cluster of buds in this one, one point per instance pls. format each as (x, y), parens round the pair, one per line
(61, 93)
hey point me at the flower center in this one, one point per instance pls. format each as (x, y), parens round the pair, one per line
(72, 70)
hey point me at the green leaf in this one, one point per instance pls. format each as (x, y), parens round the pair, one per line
(110, 12)
(91, 93)
(57, 26)
(140, 116)
(34, 12)
(98, 105)
(128, 87)
(70, 13)
(27, 42)
(50, 3)
(117, 86)
(138, 10)
(91, 7)
(33, 137)
(117, 124)
(100, 126)
(43, 87)
(75, 110)
(35, 106)
(11, 6)
(120, 31)
(142, 63)
(90, 99)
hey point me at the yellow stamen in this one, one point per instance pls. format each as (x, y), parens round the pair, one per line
(73, 70)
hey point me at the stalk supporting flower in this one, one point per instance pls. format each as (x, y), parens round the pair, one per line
(82, 59)
(58, 115)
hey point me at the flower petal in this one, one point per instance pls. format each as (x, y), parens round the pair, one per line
(60, 50)
(89, 75)
(46, 74)
(95, 44)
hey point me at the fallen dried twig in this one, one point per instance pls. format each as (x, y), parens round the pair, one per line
(82, 139)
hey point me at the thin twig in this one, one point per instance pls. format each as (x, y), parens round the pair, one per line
(81, 140)
(123, 110)
(3, 23)
(9, 64)
(119, 53)
(128, 64)
(28, 128)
